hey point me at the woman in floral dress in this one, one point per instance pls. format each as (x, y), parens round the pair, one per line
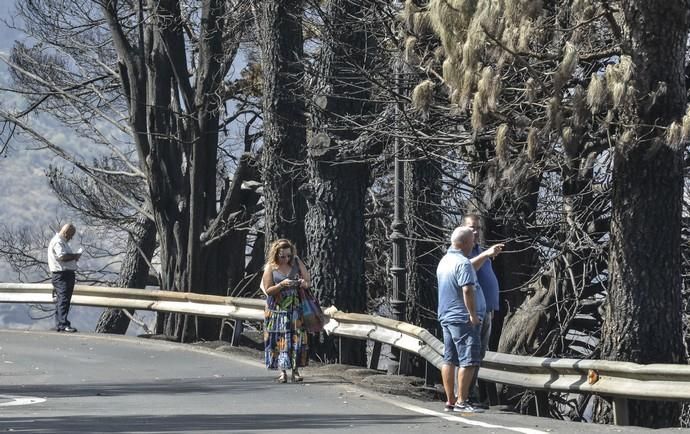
(285, 339)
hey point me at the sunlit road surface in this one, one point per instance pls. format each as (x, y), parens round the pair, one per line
(86, 383)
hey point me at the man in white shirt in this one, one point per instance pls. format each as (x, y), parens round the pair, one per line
(62, 262)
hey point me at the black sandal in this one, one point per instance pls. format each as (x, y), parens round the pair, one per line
(282, 378)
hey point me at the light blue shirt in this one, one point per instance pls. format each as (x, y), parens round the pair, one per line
(453, 273)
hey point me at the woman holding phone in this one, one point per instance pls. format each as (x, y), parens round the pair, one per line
(285, 339)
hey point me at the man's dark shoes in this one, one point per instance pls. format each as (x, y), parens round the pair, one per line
(466, 407)
(67, 329)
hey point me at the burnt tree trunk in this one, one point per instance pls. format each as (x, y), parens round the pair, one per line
(134, 273)
(240, 210)
(424, 222)
(339, 173)
(279, 25)
(249, 285)
(336, 236)
(644, 299)
(206, 262)
(174, 117)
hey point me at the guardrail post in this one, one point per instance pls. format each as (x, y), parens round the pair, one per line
(375, 355)
(426, 373)
(340, 349)
(620, 411)
(490, 391)
(541, 399)
(236, 333)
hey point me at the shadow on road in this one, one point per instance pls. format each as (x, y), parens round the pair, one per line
(164, 386)
(199, 422)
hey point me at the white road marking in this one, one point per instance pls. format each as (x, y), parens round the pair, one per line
(20, 400)
(453, 418)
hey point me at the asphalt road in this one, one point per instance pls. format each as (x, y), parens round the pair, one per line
(85, 383)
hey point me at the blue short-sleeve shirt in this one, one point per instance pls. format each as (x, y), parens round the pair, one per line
(487, 280)
(453, 273)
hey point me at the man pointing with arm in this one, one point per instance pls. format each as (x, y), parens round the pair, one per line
(481, 261)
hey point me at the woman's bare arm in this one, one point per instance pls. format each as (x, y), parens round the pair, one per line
(305, 281)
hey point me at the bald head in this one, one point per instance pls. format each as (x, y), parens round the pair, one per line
(461, 235)
(68, 231)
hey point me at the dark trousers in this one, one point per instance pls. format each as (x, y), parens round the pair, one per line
(63, 287)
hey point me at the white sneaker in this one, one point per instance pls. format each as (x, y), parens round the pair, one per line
(466, 407)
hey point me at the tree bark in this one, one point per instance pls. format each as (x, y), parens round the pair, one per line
(279, 25)
(134, 273)
(336, 235)
(424, 222)
(233, 225)
(339, 173)
(644, 298)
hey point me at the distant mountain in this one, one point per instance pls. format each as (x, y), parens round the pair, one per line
(25, 194)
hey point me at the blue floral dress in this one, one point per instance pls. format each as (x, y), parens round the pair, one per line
(286, 344)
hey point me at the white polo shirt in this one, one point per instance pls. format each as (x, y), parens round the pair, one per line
(57, 247)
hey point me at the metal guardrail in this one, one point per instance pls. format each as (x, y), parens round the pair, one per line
(143, 299)
(620, 380)
(402, 335)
